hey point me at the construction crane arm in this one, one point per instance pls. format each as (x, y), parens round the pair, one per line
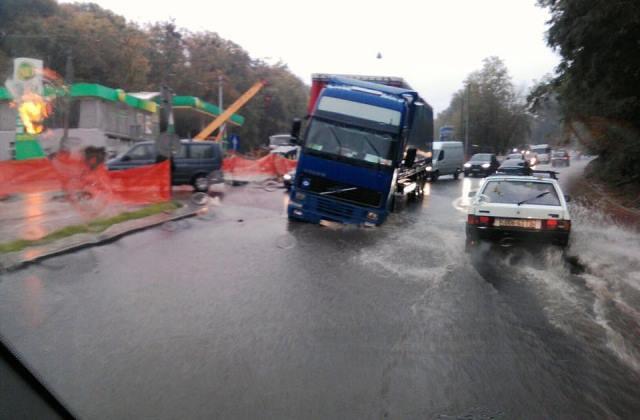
(239, 103)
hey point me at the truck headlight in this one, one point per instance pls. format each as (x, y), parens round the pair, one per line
(467, 165)
(287, 177)
(372, 216)
(485, 165)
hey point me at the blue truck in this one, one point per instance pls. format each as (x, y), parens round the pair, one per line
(366, 150)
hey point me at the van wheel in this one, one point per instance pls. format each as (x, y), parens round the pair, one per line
(456, 174)
(201, 183)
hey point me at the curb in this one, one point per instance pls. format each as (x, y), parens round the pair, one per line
(15, 260)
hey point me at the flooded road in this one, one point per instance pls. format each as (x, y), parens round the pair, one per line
(240, 314)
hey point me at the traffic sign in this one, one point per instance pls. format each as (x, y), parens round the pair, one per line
(235, 142)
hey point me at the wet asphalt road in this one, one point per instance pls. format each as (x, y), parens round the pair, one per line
(239, 314)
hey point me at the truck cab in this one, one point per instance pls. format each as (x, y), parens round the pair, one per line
(353, 153)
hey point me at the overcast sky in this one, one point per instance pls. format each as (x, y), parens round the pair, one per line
(434, 45)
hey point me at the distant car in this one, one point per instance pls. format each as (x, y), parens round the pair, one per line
(278, 140)
(514, 167)
(543, 152)
(511, 156)
(560, 157)
(448, 157)
(508, 209)
(483, 164)
(197, 163)
(288, 179)
(532, 158)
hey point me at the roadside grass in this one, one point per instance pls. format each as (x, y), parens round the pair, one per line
(94, 226)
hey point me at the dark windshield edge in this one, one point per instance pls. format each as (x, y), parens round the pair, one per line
(355, 122)
(355, 162)
(394, 134)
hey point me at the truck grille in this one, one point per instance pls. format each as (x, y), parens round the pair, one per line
(359, 195)
(333, 208)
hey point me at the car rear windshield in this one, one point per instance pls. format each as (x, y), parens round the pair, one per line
(513, 192)
(481, 157)
(512, 163)
(559, 153)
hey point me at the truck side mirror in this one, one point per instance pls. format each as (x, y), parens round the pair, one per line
(295, 130)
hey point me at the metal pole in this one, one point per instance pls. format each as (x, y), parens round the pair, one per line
(460, 134)
(466, 125)
(67, 100)
(220, 99)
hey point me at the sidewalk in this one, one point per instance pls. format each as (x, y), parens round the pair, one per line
(33, 216)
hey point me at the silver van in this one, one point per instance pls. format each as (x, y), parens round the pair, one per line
(447, 159)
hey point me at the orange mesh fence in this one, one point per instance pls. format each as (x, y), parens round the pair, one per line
(269, 165)
(146, 184)
(27, 176)
(82, 180)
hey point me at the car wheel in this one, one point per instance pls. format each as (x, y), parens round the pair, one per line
(418, 193)
(466, 174)
(201, 183)
(434, 176)
(456, 174)
(469, 244)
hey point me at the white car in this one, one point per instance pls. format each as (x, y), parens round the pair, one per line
(512, 208)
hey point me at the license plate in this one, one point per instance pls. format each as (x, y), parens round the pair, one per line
(520, 223)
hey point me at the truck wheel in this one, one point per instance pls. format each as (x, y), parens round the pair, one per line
(418, 194)
(201, 183)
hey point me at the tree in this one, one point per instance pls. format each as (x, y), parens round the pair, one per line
(598, 80)
(108, 50)
(497, 117)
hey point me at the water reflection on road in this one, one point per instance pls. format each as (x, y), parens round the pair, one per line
(249, 315)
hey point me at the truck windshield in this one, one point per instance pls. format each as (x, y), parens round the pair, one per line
(350, 142)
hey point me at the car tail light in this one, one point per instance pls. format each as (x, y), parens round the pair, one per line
(479, 220)
(557, 224)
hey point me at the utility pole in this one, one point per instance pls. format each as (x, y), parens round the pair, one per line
(220, 99)
(460, 134)
(68, 80)
(466, 125)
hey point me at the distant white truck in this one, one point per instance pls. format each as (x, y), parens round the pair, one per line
(543, 152)
(280, 144)
(447, 159)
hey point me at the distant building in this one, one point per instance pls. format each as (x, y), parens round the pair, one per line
(110, 118)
